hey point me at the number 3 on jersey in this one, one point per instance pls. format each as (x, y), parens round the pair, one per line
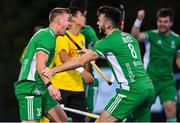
(133, 52)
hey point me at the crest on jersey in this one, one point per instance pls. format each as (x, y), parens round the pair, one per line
(159, 42)
(37, 92)
(173, 45)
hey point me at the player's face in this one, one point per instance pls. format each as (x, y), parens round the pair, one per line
(164, 24)
(79, 19)
(101, 23)
(65, 24)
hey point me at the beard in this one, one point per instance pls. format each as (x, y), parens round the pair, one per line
(102, 32)
(163, 30)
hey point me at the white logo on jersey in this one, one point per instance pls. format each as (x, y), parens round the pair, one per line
(159, 42)
(173, 45)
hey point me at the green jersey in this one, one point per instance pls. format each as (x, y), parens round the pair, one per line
(123, 55)
(89, 34)
(43, 40)
(160, 52)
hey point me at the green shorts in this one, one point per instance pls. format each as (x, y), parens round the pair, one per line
(166, 90)
(34, 100)
(136, 102)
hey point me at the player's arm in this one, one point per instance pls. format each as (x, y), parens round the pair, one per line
(41, 60)
(64, 56)
(178, 60)
(72, 64)
(135, 30)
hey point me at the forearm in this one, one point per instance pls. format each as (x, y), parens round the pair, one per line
(41, 59)
(178, 61)
(135, 31)
(40, 72)
(76, 62)
(68, 65)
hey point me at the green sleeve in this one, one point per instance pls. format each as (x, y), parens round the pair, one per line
(148, 33)
(178, 46)
(45, 44)
(102, 47)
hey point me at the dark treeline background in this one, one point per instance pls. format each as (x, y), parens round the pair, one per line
(19, 17)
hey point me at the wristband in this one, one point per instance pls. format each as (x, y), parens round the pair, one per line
(137, 23)
(80, 69)
(48, 84)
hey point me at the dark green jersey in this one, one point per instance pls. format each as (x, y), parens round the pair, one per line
(160, 52)
(123, 55)
(89, 34)
(43, 40)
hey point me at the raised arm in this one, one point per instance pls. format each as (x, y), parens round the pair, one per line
(135, 30)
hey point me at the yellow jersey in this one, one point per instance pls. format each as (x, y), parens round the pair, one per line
(70, 80)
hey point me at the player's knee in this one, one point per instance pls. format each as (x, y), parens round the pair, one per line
(64, 119)
(170, 108)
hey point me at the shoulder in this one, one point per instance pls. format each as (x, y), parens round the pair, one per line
(153, 31)
(60, 38)
(88, 27)
(81, 35)
(45, 34)
(174, 34)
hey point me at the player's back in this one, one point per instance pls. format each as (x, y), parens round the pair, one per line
(125, 59)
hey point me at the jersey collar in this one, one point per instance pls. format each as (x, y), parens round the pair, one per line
(52, 32)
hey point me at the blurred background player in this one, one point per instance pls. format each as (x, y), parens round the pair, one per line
(35, 93)
(162, 45)
(70, 82)
(90, 38)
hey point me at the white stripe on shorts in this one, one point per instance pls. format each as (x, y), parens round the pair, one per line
(115, 103)
(30, 107)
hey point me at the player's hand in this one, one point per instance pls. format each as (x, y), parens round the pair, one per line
(88, 78)
(141, 14)
(54, 92)
(47, 72)
(83, 51)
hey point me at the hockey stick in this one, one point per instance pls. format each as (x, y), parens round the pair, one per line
(122, 17)
(92, 63)
(91, 115)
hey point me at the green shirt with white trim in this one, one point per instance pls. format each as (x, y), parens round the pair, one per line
(89, 34)
(124, 58)
(160, 53)
(44, 40)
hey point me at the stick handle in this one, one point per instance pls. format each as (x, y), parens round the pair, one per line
(80, 112)
(101, 73)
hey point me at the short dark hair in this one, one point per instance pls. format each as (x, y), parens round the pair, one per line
(81, 4)
(164, 12)
(57, 11)
(74, 10)
(112, 13)
(102, 9)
